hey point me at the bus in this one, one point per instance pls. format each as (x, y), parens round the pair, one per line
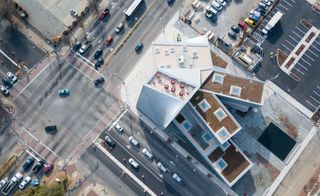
(133, 8)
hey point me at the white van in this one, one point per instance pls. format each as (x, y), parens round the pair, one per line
(160, 165)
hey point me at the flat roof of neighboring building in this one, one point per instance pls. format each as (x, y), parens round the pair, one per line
(216, 116)
(231, 163)
(234, 86)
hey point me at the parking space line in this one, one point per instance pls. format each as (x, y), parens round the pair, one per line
(287, 3)
(290, 43)
(296, 34)
(298, 70)
(311, 104)
(302, 66)
(314, 99)
(293, 1)
(317, 42)
(300, 30)
(316, 93)
(305, 61)
(284, 7)
(293, 38)
(286, 47)
(309, 57)
(315, 48)
(312, 53)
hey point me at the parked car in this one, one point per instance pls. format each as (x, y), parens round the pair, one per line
(176, 177)
(249, 22)
(73, 13)
(242, 25)
(139, 47)
(235, 29)
(263, 6)
(104, 13)
(133, 163)
(4, 90)
(133, 141)
(232, 34)
(16, 178)
(24, 183)
(98, 53)
(84, 48)
(28, 163)
(76, 46)
(35, 182)
(99, 63)
(254, 15)
(108, 41)
(222, 2)
(212, 17)
(3, 183)
(211, 10)
(12, 77)
(160, 165)
(119, 28)
(216, 5)
(98, 81)
(48, 167)
(118, 127)
(51, 128)
(64, 92)
(267, 2)
(109, 141)
(147, 153)
(38, 166)
(6, 83)
(170, 2)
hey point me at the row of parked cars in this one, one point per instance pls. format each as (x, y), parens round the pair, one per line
(8, 83)
(6, 185)
(213, 8)
(147, 153)
(256, 14)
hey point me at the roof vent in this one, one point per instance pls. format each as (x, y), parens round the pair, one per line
(166, 86)
(181, 59)
(181, 93)
(157, 50)
(184, 49)
(194, 55)
(172, 50)
(166, 53)
(173, 89)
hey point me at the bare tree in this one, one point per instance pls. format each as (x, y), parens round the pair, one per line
(7, 8)
(94, 4)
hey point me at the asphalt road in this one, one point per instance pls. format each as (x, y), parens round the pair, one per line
(162, 152)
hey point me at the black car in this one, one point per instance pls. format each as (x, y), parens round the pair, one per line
(170, 2)
(51, 128)
(76, 46)
(232, 34)
(109, 141)
(28, 163)
(235, 29)
(99, 63)
(98, 53)
(99, 81)
(38, 166)
(138, 47)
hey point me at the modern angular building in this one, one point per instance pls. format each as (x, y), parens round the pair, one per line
(187, 91)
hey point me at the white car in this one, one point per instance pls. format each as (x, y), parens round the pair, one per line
(133, 141)
(25, 182)
(16, 178)
(3, 182)
(267, 2)
(84, 47)
(160, 165)
(147, 153)
(176, 177)
(4, 90)
(211, 10)
(118, 127)
(134, 163)
(216, 5)
(222, 2)
(73, 13)
(12, 77)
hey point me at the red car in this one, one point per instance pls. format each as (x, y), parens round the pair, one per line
(108, 41)
(242, 25)
(48, 167)
(104, 13)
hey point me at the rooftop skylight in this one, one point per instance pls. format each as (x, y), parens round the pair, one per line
(220, 114)
(235, 91)
(223, 133)
(221, 164)
(204, 105)
(218, 78)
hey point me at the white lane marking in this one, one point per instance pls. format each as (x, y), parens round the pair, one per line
(316, 93)
(309, 57)
(315, 48)
(4, 75)
(311, 104)
(284, 7)
(314, 99)
(286, 47)
(293, 38)
(31, 154)
(33, 79)
(317, 42)
(287, 3)
(318, 87)
(298, 70)
(300, 30)
(296, 34)
(12, 61)
(302, 66)
(293, 1)
(290, 43)
(305, 61)
(313, 53)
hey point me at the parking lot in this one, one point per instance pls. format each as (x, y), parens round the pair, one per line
(304, 83)
(39, 105)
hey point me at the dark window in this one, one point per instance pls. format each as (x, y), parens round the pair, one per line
(180, 118)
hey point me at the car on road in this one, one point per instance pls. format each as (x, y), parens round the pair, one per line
(104, 13)
(176, 177)
(12, 77)
(27, 164)
(48, 167)
(133, 141)
(38, 166)
(249, 22)
(235, 29)
(74, 13)
(147, 153)
(24, 183)
(35, 182)
(133, 163)
(98, 81)
(232, 34)
(119, 28)
(99, 63)
(118, 127)
(216, 5)
(4, 90)
(162, 167)
(108, 41)
(98, 53)
(84, 48)
(4, 182)
(51, 128)
(138, 47)
(109, 141)
(64, 92)
(76, 46)
(242, 25)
